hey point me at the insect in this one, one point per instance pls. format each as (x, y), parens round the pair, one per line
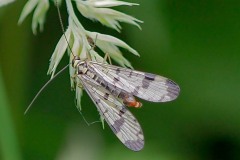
(112, 88)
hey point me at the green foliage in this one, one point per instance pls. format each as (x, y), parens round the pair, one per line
(195, 43)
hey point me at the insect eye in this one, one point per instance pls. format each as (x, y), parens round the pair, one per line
(75, 60)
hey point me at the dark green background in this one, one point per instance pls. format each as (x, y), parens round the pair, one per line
(195, 43)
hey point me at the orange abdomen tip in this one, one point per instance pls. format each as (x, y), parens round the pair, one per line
(135, 104)
(138, 104)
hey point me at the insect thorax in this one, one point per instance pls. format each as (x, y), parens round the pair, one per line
(80, 65)
(84, 68)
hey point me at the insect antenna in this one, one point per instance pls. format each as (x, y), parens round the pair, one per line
(62, 27)
(43, 87)
(64, 68)
(76, 57)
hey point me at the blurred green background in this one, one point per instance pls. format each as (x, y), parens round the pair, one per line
(195, 43)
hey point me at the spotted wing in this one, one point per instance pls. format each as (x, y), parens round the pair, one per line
(118, 117)
(147, 86)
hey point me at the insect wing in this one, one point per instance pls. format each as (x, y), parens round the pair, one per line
(147, 86)
(118, 117)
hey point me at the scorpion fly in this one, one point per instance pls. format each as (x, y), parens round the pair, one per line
(113, 89)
